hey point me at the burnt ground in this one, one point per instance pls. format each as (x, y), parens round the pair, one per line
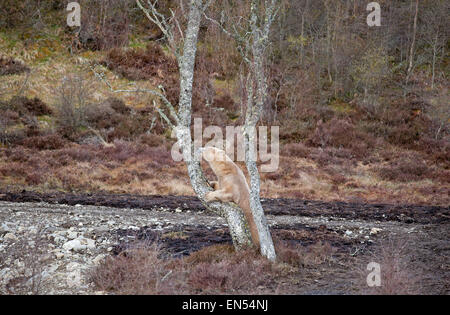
(296, 207)
(416, 236)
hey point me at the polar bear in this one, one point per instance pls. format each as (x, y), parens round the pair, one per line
(231, 186)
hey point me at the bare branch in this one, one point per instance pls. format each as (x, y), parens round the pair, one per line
(177, 24)
(154, 16)
(161, 113)
(167, 103)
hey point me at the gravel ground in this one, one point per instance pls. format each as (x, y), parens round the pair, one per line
(51, 248)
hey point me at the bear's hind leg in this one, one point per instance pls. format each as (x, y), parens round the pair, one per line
(220, 195)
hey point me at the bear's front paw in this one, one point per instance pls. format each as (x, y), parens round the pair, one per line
(209, 197)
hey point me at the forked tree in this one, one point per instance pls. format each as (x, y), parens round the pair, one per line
(252, 46)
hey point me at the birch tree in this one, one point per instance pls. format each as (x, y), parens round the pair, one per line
(413, 43)
(179, 119)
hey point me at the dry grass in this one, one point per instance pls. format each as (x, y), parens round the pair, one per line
(215, 269)
(399, 274)
(11, 66)
(29, 257)
(132, 167)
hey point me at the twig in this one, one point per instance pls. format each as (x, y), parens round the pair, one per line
(22, 87)
(167, 274)
(166, 102)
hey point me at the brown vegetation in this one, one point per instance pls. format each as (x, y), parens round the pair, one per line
(216, 269)
(11, 66)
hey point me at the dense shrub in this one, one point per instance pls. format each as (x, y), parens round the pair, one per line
(295, 150)
(341, 133)
(409, 168)
(141, 64)
(11, 66)
(118, 105)
(73, 99)
(10, 136)
(152, 140)
(48, 142)
(34, 106)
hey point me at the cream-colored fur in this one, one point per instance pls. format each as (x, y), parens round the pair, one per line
(231, 185)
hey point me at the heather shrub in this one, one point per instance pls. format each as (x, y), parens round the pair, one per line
(341, 133)
(10, 135)
(117, 105)
(80, 153)
(152, 140)
(227, 276)
(210, 254)
(140, 64)
(295, 150)
(34, 106)
(146, 269)
(438, 150)
(226, 102)
(400, 274)
(302, 256)
(101, 116)
(11, 66)
(123, 150)
(138, 270)
(406, 169)
(47, 142)
(15, 169)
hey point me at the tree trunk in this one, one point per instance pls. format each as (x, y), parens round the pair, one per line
(413, 42)
(254, 110)
(236, 221)
(435, 44)
(234, 216)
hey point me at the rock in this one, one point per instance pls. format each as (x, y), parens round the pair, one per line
(101, 229)
(99, 259)
(4, 228)
(59, 239)
(74, 278)
(72, 266)
(10, 237)
(59, 255)
(6, 274)
(375, 231)
(79, 244)
(72, 235)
